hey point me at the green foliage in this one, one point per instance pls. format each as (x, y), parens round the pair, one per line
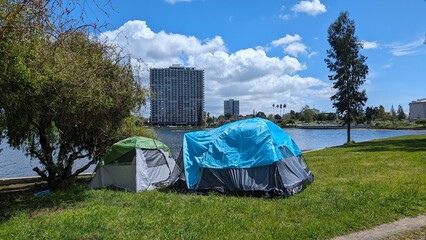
(261, 115)
(381, 113)
(421, 122)
(348, 69)
(356, 187)
(64, 94)
(277, 117)
(401, 113)
(306, 114)
(393, 114)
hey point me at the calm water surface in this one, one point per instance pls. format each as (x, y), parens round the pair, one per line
(14, 163)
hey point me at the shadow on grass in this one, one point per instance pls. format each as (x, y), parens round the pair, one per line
(180, 188)
(414, 144)
(21, 199)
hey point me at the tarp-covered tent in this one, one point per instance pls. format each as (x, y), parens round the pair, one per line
(135, 164)
(245, 156)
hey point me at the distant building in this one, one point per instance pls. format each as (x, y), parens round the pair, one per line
(417, 109)
(177, 96)
(231, 106)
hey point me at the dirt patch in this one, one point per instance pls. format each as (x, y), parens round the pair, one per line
(388, 230)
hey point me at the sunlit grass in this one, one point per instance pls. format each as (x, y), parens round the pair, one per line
(356, 187)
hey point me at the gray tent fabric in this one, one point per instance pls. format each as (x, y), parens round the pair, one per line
(283, 178)
(148, 169)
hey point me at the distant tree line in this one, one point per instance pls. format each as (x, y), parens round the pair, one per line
(309, 115)
(379, 114)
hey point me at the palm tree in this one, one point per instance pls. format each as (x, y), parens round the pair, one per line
(281, 107)
(273, 107)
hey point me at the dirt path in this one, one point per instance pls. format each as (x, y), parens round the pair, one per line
(387, 230)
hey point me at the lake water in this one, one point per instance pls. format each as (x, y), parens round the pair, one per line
(14, 163)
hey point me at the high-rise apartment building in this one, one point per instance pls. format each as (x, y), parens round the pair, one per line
(231, 106)
(177, 95)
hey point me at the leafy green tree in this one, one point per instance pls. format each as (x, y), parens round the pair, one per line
(348, 70)
(228, 116)
(209, 121)
(381, 113)
(221, 119)
(307, 115)
(370, 114)
(400, 113)
(421, 122)
(393, 113)
(261, 115)
(321, 117)
(64, 95)
(292, 115)
(331, 117)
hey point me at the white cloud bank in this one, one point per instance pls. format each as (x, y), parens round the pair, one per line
(312, 8)
(249, 75)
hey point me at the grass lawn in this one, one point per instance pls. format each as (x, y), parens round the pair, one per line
(356, 187)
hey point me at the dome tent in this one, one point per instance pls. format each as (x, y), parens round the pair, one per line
(244, 156)
(135, 164)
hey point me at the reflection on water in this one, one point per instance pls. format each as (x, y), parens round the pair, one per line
(14, 163)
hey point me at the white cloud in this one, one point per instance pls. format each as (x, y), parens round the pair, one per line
(249, 75)
(159, 48)
(389, 65)
(312, 54)
(176, 1)
(284, 17)
(295, 48)
(286, 40)
(410, 48)
(291, 44)
(369, 45)
(312, 8)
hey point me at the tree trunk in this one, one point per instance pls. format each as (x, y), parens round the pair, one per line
(348, 134)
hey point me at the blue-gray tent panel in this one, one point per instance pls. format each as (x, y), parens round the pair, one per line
(263, 178)
(294, 174)
(286, 177)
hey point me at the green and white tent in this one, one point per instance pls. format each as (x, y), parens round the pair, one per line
(135, 164)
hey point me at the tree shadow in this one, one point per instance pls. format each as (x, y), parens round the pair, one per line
(392, 144)
(21, 198)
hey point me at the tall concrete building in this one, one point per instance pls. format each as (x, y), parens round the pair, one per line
(418, 109)
(231, 106)
(177, 95)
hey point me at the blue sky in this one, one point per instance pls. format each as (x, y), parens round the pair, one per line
(269, 52)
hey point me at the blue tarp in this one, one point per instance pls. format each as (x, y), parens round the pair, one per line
(241, 144)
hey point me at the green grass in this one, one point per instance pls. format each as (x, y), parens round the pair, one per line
(356, 187)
